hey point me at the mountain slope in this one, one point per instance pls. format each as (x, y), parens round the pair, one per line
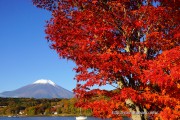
(40, 89)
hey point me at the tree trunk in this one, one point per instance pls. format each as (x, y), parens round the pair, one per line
(137, 113)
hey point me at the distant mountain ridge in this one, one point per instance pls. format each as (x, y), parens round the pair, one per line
(39, 89)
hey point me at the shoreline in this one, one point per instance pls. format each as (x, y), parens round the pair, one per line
(60, 115)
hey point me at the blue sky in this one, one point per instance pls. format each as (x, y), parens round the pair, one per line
(25, 55)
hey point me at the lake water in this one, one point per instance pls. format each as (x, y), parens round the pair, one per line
(46, 118)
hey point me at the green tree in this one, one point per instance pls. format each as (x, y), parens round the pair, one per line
(30, 111)
(47, 111)
(59, 111)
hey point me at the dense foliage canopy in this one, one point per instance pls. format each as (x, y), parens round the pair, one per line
(132, 45)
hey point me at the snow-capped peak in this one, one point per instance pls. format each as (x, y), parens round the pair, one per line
(44, 81)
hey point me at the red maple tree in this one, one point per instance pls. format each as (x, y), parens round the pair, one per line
(132, 45)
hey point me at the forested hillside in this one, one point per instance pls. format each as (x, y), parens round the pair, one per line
(32, 107)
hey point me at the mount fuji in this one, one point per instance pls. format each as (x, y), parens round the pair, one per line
(39, 89)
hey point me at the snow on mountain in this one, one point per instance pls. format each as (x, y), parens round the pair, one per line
(44, 81)
(39, 89)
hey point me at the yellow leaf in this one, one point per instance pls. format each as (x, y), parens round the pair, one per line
(178, 85)
(147, 89)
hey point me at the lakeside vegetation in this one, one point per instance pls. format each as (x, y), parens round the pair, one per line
(40, 107)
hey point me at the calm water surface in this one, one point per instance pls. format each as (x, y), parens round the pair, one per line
(46, 118)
